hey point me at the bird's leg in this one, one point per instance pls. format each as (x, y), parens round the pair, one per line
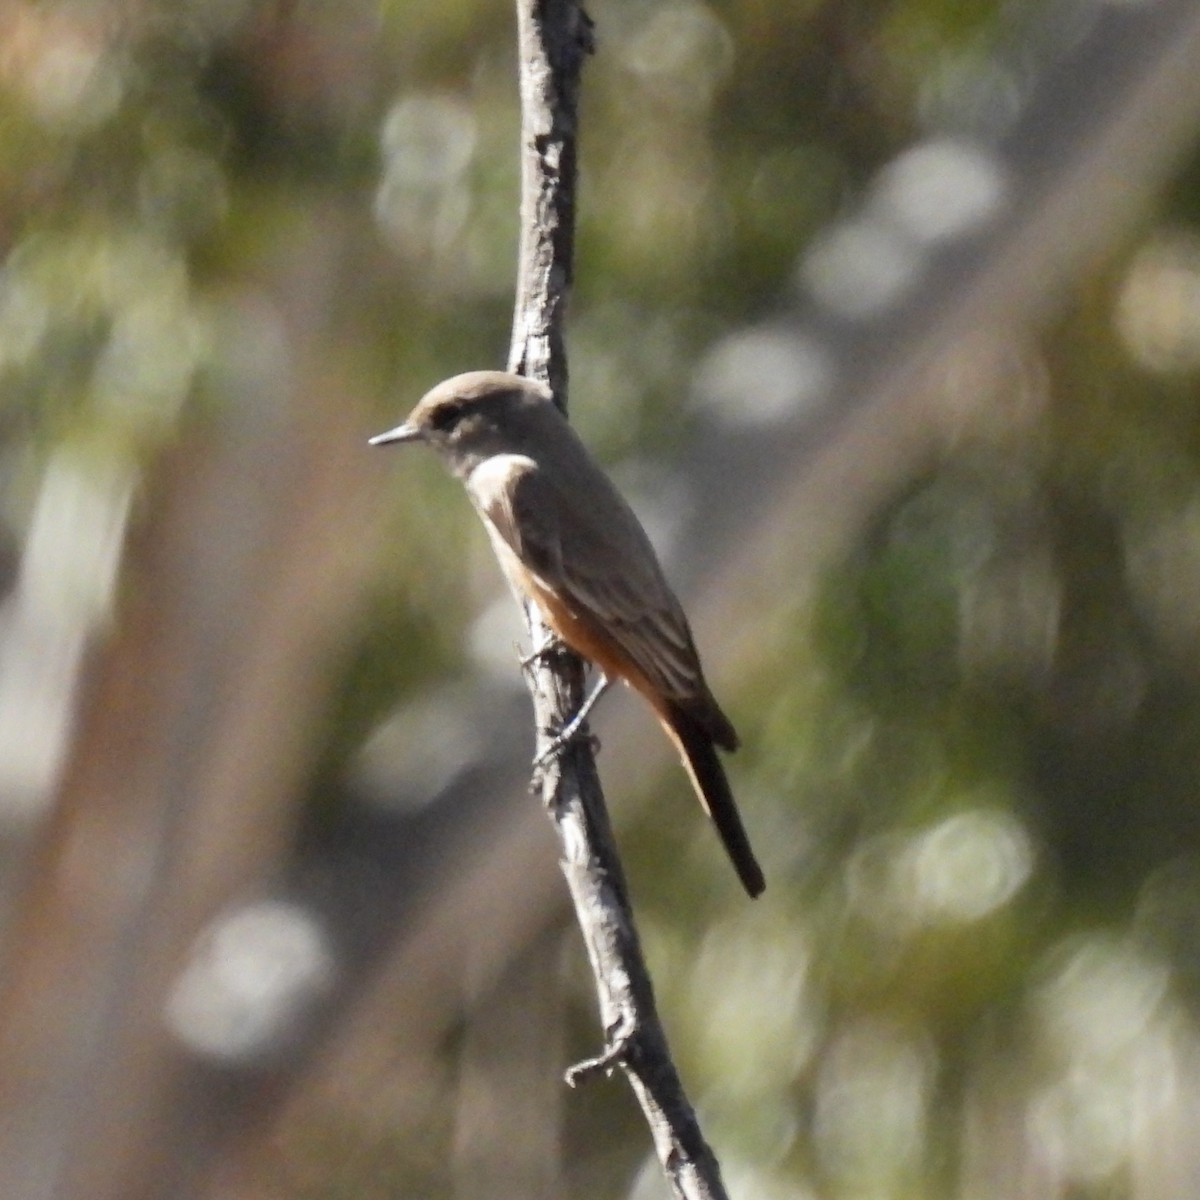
(571, 729)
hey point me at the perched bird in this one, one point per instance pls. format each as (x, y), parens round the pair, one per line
(568, 541)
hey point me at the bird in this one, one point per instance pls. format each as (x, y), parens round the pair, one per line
(567, 540)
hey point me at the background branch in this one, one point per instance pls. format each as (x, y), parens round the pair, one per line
(554, 39)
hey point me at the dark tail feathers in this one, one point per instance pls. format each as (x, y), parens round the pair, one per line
(712, 787)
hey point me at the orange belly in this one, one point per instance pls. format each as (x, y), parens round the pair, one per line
(587, 637)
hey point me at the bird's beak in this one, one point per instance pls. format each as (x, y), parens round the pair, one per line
(402, 433)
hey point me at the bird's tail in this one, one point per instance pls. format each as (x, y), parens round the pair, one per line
(712, 787)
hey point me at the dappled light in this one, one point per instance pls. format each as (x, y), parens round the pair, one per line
(941, 190)
(250, 982)
(861, 268)
(871, 1105)
(763, 375)
(1112, 1055)
(63, 593)
(428, 143)
(1158, 309)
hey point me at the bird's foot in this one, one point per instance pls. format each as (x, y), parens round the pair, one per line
(549, 649)
(574, 727)
(554, 748)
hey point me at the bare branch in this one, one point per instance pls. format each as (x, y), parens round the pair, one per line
(554, 39)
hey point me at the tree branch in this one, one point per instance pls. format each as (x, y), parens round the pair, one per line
(554, 39)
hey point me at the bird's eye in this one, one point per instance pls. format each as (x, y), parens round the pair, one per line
(445, 418)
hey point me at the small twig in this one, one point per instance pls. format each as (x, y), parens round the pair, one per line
(618, 1053)
(555, 36)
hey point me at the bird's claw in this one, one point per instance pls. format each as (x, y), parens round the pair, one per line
(573, 731)
(573, 728)
(548, 649)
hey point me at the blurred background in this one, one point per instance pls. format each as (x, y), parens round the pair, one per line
(887, 318)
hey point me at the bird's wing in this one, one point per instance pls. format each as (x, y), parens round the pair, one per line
(586, 546)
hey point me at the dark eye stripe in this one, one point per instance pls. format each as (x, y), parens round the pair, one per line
(446, 417)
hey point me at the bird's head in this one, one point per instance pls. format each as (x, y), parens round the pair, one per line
(472, 417)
